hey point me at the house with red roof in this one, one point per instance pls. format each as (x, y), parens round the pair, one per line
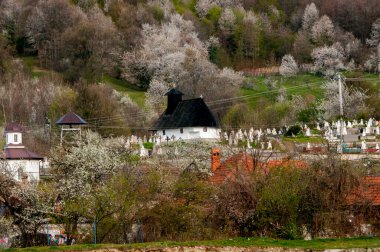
(368, 192)
(22, 163)
(244, 164)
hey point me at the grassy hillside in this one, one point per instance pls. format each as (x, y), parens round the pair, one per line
(259, 87)
(302, 84)
(137, 95)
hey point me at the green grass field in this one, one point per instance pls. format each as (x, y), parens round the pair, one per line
(343, 243)
(302, 84)
(137, 95)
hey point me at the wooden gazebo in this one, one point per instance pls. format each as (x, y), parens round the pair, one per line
(71, 122)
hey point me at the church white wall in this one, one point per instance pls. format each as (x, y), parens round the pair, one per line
(13, 138)
(190, 133)
(28, 167)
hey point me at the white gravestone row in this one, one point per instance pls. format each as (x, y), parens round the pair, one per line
(250, 136)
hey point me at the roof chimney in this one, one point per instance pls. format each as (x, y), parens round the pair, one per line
(174, 98)
(215, 159)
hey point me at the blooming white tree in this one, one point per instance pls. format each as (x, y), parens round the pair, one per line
(9, 13)
(204, 6)
(323, 30)
(172, 55)
(50, 18)
(353, 101)
(374, 39)
(310, 16)
(288, 66)
(372, 64)
(328, 59)
(250, 18)
(227, 21)
(27, 207)
(85, 166)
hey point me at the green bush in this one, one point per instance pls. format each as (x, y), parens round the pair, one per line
(293, 130)
(148, 146)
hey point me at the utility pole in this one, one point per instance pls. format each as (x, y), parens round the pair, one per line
(341, 112)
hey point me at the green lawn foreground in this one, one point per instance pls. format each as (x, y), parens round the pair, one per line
(317, 244)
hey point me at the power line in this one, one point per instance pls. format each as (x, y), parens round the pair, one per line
(210, 103)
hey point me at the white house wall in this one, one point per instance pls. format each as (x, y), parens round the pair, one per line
(29, 167)
(190, 133)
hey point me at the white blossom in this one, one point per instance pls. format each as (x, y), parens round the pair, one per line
(323, 30)
(204, 6)
(227, 21)
(328, 59)
(374, 39)
(310, 16)
(172, 55)
(250, 18)
(83, 167)
(288, 66)
(353, 101)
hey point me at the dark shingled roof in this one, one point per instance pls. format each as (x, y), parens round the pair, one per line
(13, 127)
(174, 92)
(20, 153)
(188, 113)
(70, 119)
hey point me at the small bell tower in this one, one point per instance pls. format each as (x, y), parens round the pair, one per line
(13, 135)
(174, 98)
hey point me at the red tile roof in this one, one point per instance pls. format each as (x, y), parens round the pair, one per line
(71, 119)
(244, 163)
(13, 127)
(368, 192)
(20, 153)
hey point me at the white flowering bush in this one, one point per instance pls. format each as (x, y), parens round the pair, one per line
(374, 39)
(83, 167)
(328, 59)
(353, 101)
(310, 16)
(288, 66)
(227, 21)
(172, 55)
(27, 204)
(323, 30)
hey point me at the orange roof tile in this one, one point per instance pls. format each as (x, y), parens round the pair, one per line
(245, 163)
(369, 191)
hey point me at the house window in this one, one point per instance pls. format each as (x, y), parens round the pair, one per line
(204, 129)
(163, 132)
(181, 130)
(16, 138)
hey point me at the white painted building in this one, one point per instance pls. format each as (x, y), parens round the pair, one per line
(190, 133)
(186, 119)
(19, 161)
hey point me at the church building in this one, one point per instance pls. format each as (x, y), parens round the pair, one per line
(186, 119)
(20, 162)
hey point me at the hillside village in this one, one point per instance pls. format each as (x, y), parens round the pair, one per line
(160, 120)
